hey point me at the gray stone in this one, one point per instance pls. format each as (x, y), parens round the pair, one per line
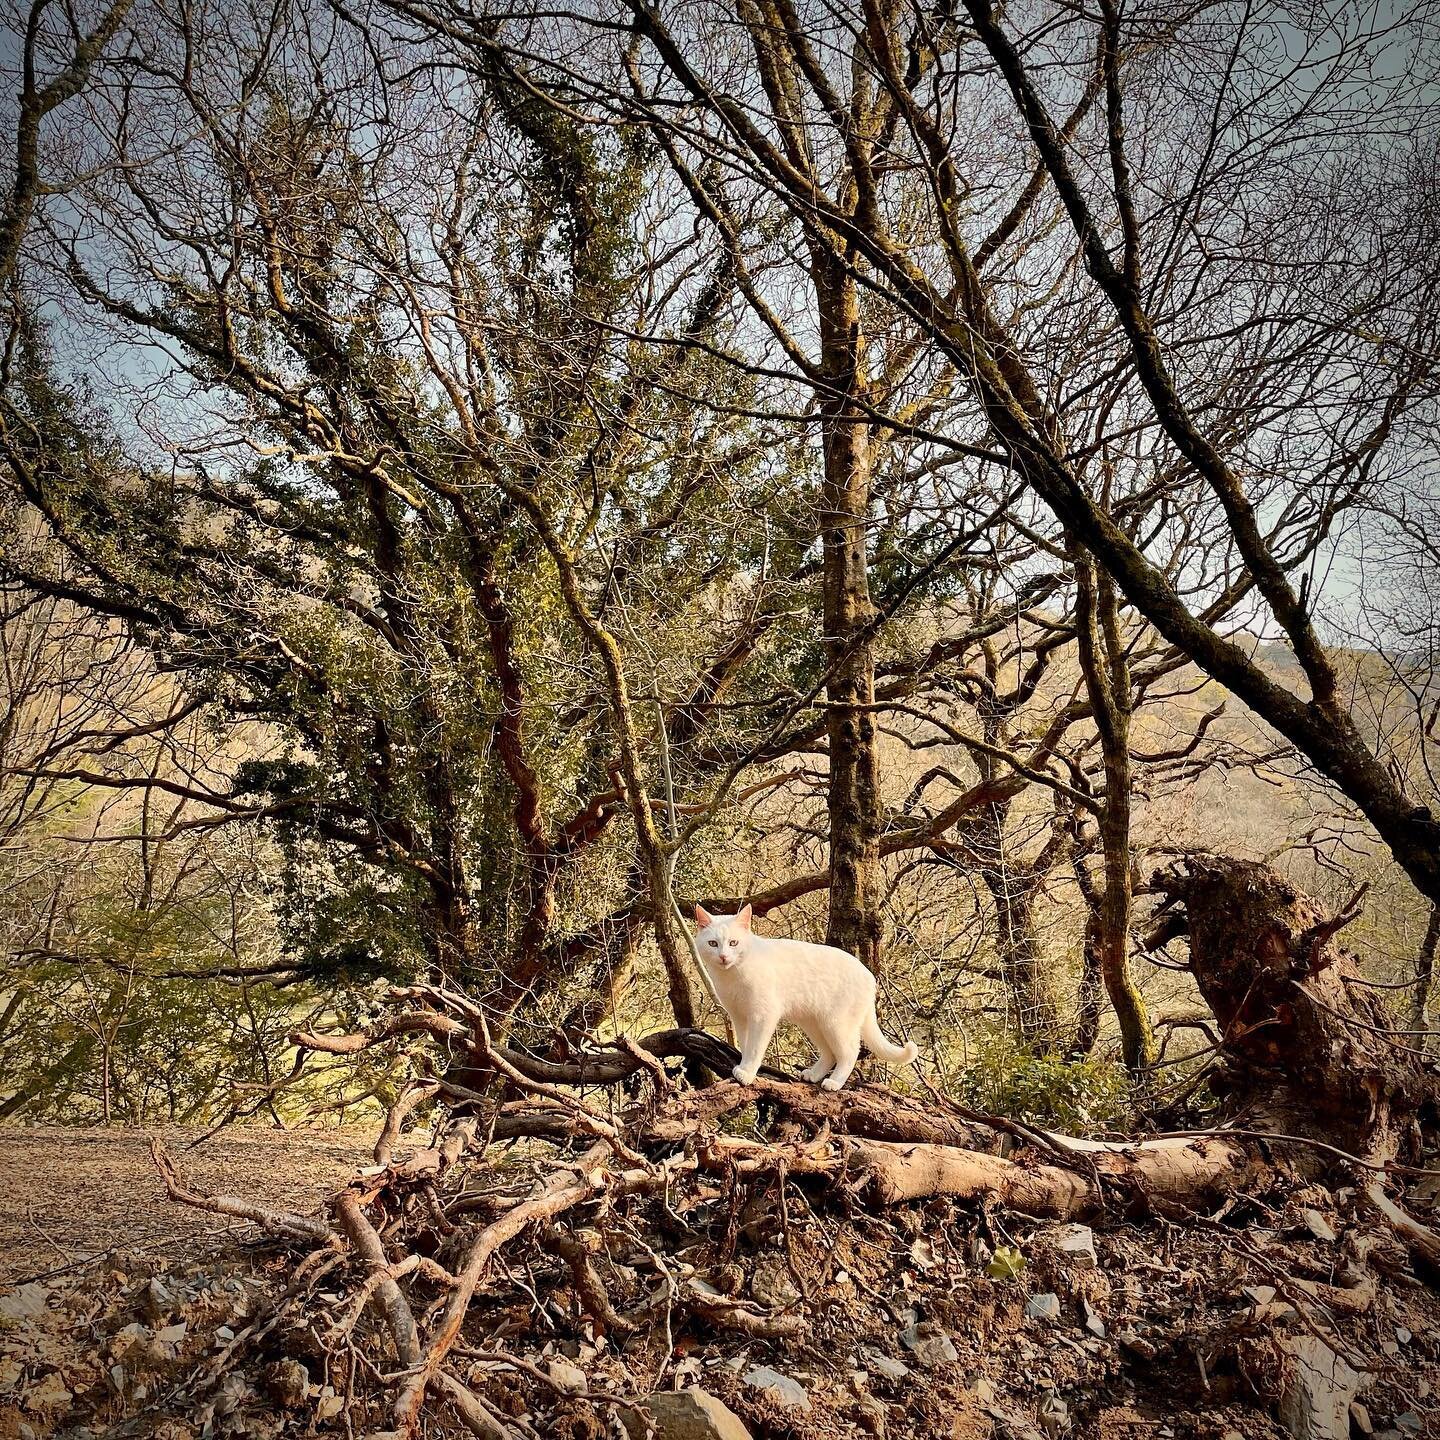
(1259, 1294)
(1093, 1323)
(1013, 1427)
(1409, 1423)
(1360, 1422)
(779, 1389)
(1137, 1344)
(1045, 1306)
(929, 1344)
(774, 1285)
(156, 1302)
(126, 1337)
(884, 1366)
(1319, 1226)
(26, 1303)
(288, 1381)
(1076, 1243)
(568, 1378)
(1315, 1401)
(1054, 1416)
(1403, 1335)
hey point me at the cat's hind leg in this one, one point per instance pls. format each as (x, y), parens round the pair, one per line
(847, 1055)
(825, 1056)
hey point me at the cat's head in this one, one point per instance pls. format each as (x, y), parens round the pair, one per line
(722, 940)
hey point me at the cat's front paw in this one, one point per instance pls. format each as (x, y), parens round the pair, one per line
(744, 1076)
(815, 1073)
(831, 1083)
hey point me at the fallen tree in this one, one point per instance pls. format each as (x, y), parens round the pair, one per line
(569, 1151)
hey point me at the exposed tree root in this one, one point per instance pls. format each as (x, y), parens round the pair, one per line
(423, 1233)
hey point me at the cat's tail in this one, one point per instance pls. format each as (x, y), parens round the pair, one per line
(884, 1049)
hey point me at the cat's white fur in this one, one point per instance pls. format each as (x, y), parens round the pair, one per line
(827, 992)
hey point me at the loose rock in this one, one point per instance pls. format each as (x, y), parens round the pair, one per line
(156, 1302)
(884, 1366)
(871, 1415)
(781, 1390)
(26, 1303)
(1054, 1416)
(929, 1344)
(773, 1284)
(1076, 1243)
(686, 1415)
(569, 1378)
(1315, 1404)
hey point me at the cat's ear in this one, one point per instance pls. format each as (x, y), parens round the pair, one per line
(743, 918)
(703, 917)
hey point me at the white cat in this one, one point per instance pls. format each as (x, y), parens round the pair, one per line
(828, 993)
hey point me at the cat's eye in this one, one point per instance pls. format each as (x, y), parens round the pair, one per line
(714, 944)
(733, 943)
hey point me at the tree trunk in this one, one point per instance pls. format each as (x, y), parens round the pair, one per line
(1425, 970)
(1107, 682)
(854, 790)
(1012, 885)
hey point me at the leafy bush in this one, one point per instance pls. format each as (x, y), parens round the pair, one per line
(1079, 1096)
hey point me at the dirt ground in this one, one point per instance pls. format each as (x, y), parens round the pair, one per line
(72, 1194)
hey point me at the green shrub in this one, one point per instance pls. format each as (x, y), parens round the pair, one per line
(1079, 1096)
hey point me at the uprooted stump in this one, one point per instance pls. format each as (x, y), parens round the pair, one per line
(1307, 1042)
(636, 1193)
(1307, 1047)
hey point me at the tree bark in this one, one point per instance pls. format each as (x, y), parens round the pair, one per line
(1013, 885)
(1107, 682)
(1425, 970)
(854, 801)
